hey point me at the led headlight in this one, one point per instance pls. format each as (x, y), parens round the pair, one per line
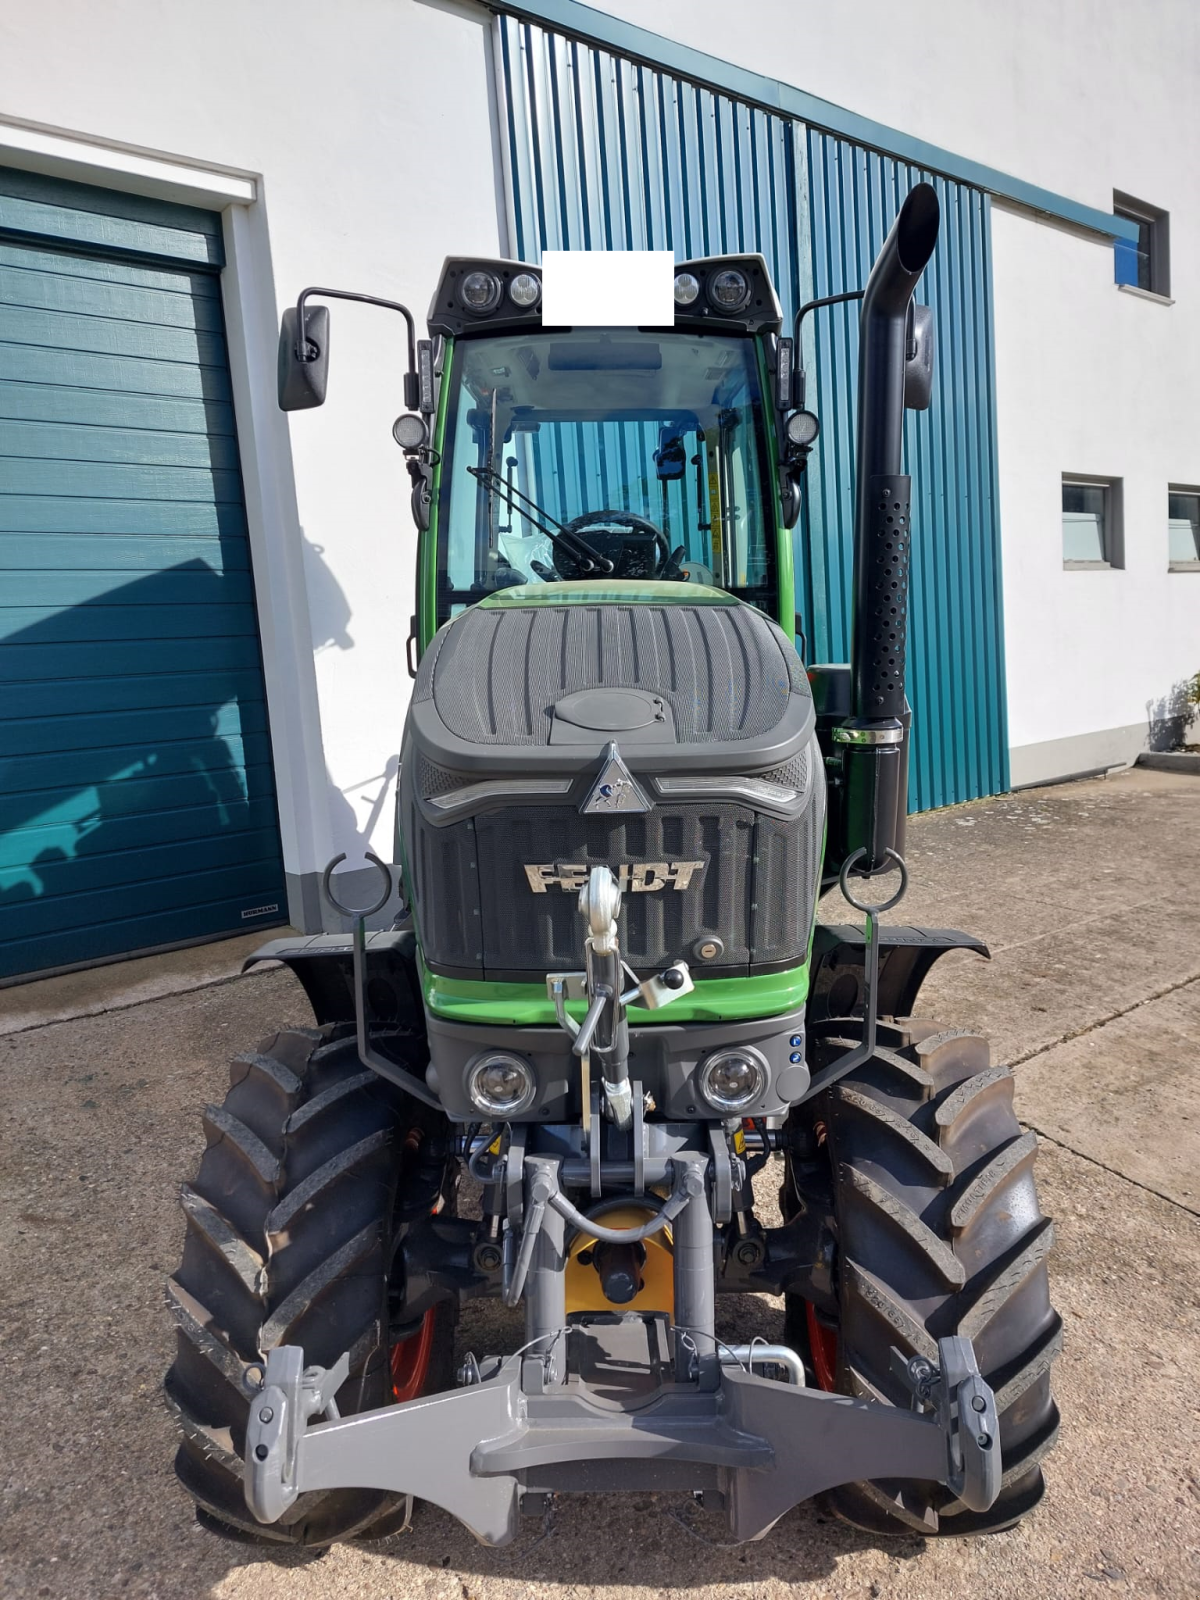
(687, 287)
(480, 292)
(409, 431)
(524, 290)
(732, 1080)
(728, 290)
(802, 427)
(501, 1084)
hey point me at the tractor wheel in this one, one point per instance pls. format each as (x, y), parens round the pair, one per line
(290, 1222)
(939, 1232)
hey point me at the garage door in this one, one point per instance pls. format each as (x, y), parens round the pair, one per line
(137, 806)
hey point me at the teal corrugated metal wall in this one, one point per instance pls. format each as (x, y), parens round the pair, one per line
(136, 792)
(956, 645)
(606, 153)
(609, 155)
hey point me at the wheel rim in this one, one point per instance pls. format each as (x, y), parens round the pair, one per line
(411, 1358)
(823, 1346)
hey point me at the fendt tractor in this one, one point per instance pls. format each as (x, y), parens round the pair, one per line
(605, 1030)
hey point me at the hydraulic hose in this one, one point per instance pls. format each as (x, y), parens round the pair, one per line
(681, 1192)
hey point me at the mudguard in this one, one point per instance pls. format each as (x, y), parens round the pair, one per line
(905, 958)
(324, 964)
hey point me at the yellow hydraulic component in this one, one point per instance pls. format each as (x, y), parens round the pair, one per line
(584, 1291)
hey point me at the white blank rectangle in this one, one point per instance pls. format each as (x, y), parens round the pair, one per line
(608, 288)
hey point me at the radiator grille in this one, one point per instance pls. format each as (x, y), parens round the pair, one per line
(476, 909)
(547, 929)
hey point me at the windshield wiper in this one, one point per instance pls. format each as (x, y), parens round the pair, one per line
(559, 534)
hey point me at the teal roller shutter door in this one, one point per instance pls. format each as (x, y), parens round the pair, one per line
(137, 804)
(608, 153)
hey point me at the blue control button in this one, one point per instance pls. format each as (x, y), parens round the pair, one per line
(796, 1039)
(796, 1059)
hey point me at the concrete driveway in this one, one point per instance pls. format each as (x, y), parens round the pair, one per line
(1090, 898)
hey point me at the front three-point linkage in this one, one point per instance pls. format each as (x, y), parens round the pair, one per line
(604, 1031)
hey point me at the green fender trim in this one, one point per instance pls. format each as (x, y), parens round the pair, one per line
(527, 1005)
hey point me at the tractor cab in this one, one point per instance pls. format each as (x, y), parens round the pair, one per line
(607, 455)
(610, 455)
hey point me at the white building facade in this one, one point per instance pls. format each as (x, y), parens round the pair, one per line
(356, 148)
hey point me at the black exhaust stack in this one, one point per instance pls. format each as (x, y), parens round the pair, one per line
(874, 738)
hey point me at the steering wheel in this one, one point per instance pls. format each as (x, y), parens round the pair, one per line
(630, 557)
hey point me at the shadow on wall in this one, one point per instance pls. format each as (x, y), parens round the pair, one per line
(356, 882)
(1172, 717)
(137, 802)
(328, 608)
(355, 811)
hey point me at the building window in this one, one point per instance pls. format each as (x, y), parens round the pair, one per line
(1145, 262)
(1091, 522)
(1183, 529)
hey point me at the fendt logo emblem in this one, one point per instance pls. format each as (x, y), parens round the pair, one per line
(646, 877)
(615, 788)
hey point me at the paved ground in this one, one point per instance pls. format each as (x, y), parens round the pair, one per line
(1090, 898)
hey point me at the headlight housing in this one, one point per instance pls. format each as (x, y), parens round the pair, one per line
(480, 292)
(525, 290)
(733, 1079)
(500, 1083)
(802, 428)
(687, 287)
(410, 431)
(728, 290)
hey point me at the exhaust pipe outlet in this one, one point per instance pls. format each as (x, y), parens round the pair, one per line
(876, 753)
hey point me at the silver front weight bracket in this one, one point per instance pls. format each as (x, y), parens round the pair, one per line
(473, 1450)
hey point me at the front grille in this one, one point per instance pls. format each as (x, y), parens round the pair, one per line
(477, 911)
(522, 928)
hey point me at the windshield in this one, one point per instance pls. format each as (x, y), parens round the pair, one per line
(604, 454)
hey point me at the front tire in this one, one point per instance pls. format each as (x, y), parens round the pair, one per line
(290, 1225)
(939, 1232)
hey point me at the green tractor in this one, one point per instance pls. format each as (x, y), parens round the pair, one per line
(606, 1007)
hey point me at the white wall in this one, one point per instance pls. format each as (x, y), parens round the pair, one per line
(1090, 380)
(370, 124)
(1078, 96)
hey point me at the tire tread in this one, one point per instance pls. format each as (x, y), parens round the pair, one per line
(930, 1247)
(263, 1251)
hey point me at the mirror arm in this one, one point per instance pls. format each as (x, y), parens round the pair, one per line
(814, 305)
(411, 380)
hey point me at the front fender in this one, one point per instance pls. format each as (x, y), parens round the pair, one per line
(905, 958)
(324, 964)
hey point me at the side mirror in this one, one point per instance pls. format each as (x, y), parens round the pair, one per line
(918, 365)
(302, 383)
